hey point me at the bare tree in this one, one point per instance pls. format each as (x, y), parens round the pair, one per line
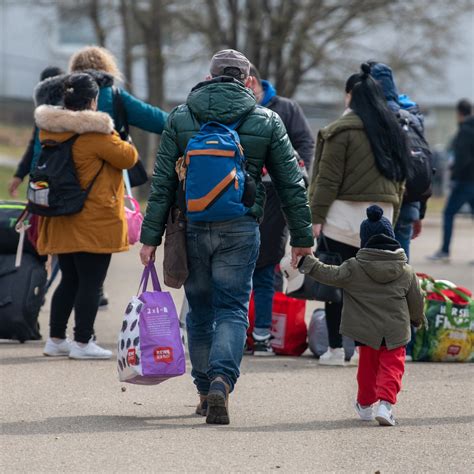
(95, 14)
(296, 41)
(151, 17)
(127, 55)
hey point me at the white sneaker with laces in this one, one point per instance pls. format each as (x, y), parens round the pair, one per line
(384, 414)
(365, 413)
(333, 357)
(56, 349)
(90, 351)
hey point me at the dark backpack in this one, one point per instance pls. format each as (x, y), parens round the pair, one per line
(54, 188)
(418, 184)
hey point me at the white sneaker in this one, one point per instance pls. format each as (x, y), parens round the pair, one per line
(384, 414)
(408, 358)
(355, 357)
(439, 256)
(366, 414)
(56, 349)
(333, 357)
(91, 351)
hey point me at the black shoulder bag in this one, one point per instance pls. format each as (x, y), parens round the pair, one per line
(314, 290)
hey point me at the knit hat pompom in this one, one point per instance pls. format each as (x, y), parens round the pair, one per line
(374, 213)
(375, 224)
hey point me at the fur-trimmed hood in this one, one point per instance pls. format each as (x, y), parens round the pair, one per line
(51, 90)
(59, 120)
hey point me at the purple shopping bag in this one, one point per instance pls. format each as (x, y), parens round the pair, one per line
(150, 345)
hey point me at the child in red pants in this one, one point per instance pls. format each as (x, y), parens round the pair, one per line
(381, 297)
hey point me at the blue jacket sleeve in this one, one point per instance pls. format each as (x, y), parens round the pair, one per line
(143, 115)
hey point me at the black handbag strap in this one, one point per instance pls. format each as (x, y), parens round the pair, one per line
(322, 239)
(120, 113)
(320, 250)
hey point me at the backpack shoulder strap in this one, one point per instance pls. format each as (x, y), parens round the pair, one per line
(88, 189)
(70, 140)
(230, 127)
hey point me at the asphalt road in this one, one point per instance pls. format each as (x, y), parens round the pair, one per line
(287, 414)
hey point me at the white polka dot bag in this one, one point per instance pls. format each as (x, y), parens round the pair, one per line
(150, 345)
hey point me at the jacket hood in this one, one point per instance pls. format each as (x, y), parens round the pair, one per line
(383, 74)
(102, 78)
(59, 120)
(382, 266)
(268, 92)
(222, 99)
(349, 121)
(51, 90)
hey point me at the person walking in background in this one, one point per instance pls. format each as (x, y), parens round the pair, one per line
(53, 97)
(382, 296)
(222, 253)
(412, 212)
(462, 175)
(361, 159)
(273, 228)
(84, 241)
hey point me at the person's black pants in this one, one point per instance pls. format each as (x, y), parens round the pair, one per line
(82, 277)
(334, 310)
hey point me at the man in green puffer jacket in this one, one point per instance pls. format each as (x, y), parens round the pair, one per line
(222, 255)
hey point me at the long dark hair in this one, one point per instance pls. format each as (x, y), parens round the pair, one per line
(79, 91)
(386, 137)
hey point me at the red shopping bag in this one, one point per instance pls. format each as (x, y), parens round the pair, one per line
(288, 325)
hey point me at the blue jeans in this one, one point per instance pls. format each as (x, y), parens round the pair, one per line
(409, 213)
(263, 291)
(221, 260)
(462, 193)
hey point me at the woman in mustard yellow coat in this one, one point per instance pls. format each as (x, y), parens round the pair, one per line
(85, 241)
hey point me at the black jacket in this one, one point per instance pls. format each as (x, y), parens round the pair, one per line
(273, 230)
(24, 166)
(297, 126)
(463, 168)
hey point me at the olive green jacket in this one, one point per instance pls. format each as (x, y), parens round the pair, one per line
(344, 169)
(381, 295)
(264, 140)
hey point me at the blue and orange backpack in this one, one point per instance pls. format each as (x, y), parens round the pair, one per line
(215, 185)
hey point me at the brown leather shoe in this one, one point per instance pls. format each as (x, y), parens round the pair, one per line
(218, 402)
(201, 409)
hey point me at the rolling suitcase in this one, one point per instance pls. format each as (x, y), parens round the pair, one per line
(22, 292)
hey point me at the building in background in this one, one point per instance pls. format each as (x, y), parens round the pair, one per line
(36, 34)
